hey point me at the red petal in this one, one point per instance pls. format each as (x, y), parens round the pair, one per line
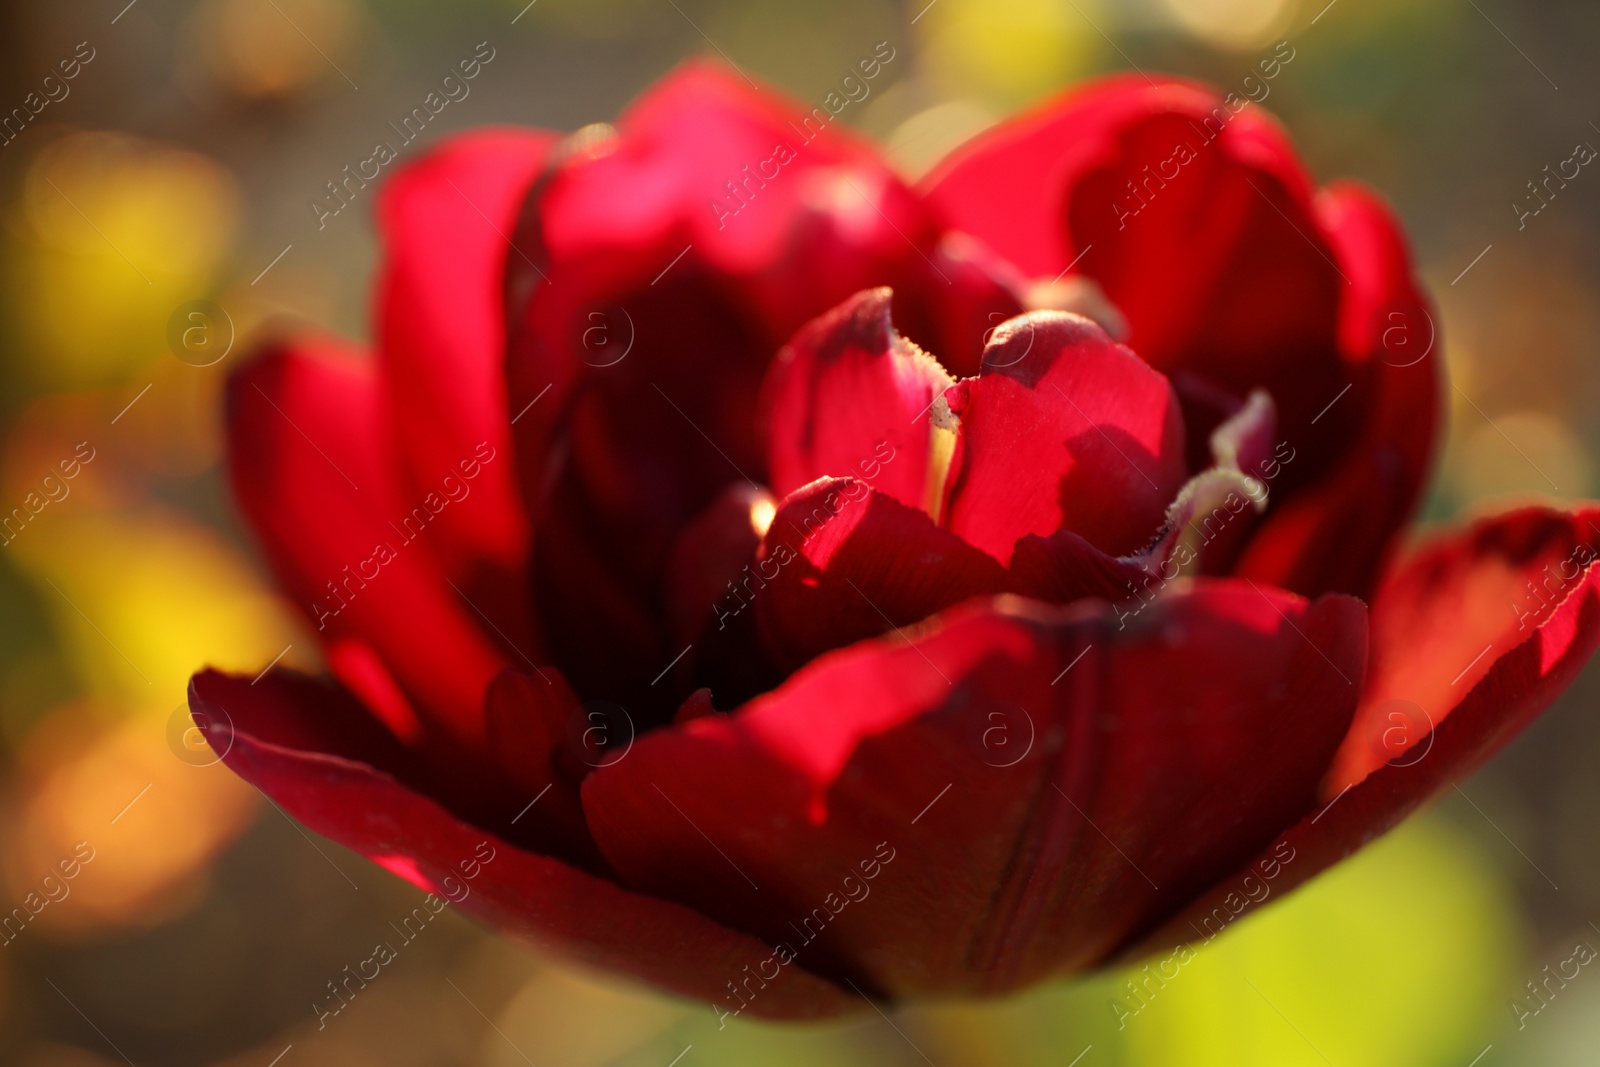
(843, 562)
(537, 899)
(295, 712)
(1168, 751)
(613, 217)
(307, 460)
(1213, 510)
(1337, 532)
(1064, 429)
(1442, 619)
(650, 443)
(849, 396)
(648, 309)
(441, 330)
(1007, 186)
(716, 553)
(1212, 514)
(1434, 615)
(1213, 253)
(982, 292)
(1064, 567)
(782, 197)
(535, 725)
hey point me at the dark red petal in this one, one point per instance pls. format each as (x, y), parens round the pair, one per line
(983, 291)
(1007, 186)
(537, 899)
(715, 556)
(843, 562)
(306, 713)
(849, 397)
(1064, 567)
(1445, 615)
(295, 712)
(782, 197)
(612, 218)
(1336, 533)
(1197, 222)
(306, 454)
(1211, 512)
(1012, 777)
(536, 728)
(1064, 429)
(1458, 599)
(648, 444)
(714, 552)
(651, 299)
(441, 341)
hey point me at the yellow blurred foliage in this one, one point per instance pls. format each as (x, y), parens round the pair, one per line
(1007, 51)
(143, 598)
(1516, 454)
(1389, 960)
(113, 233)
(1238, 25)
(928, 136)
(599, 1019)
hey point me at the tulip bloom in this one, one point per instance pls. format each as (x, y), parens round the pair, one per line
(812, 588)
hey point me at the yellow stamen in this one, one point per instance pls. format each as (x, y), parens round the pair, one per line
(942, 429)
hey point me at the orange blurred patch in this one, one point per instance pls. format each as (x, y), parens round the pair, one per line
(275, 51)
(134, 824)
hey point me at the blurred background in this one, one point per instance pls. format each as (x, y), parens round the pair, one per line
(171, 173)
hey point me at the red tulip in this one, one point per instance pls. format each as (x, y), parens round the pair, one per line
(896, 663)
